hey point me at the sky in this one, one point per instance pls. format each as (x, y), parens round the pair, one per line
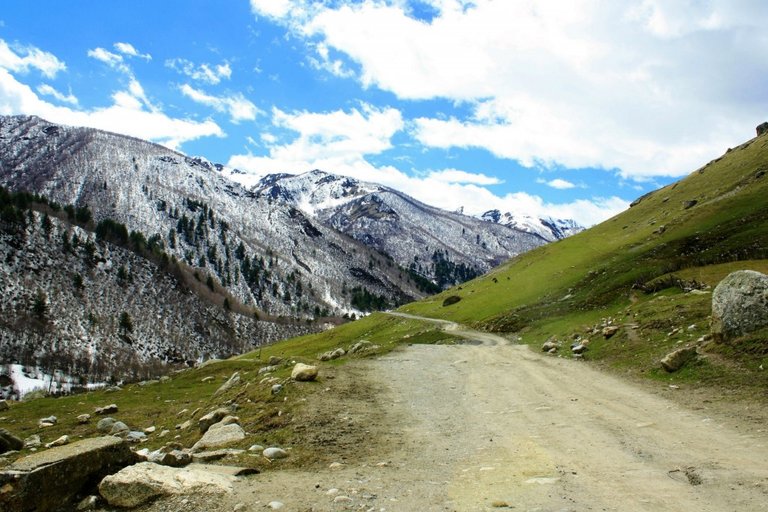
(569, 108)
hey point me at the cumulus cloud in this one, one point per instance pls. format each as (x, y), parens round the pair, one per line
(650, 88)
(558, 183)
(237, 105)
(130, 113)
(20, 59)
(131, 51)
(342, 142)
(206, 73)
(113, 60)
(48, 90)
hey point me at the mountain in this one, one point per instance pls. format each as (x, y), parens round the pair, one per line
(547, 228)
(74, 302)
(444, 247)
(268, 254)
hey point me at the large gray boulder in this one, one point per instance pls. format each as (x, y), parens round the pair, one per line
(142, 482)
(220, 434)
(49, 480)
(739, 305)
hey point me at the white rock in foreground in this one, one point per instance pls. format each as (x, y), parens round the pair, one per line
(141, 482)
(304, 372)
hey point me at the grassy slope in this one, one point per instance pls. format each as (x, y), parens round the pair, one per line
(560, 289)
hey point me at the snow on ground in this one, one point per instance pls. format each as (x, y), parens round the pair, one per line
(27, 379)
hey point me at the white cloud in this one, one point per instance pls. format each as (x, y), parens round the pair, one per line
(48, 90)
(459, 176)
(20, 59)
(558, 183)
(652, 88)
(340, 142)
(113, 60)
(207, 73)
(126, 115)
(271, 8)
(131, 51)
(238, 107)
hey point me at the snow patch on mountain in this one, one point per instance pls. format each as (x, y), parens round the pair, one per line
(546, 227)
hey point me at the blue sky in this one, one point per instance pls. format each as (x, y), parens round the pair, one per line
(562, 108)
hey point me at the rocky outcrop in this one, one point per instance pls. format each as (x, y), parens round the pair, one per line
(762, 128)
(142, 482)
(61, 472)
(739, 305)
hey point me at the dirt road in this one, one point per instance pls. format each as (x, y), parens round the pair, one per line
(494, 426)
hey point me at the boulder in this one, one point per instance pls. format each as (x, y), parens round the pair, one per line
(47, 422)
(142, 482)
(218, 435)
(119, 429)
(332, 354)
(82, 419)
(9, 442)
(62, 472)
(105, 425)
(549, 346)
(677, 359)
(739, 305)
(107, 409)
(274, 452)
(174, 458)
(212, 418)
(274, 360)
(304, 372)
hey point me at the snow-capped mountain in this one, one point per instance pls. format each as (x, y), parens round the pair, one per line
(546, 227)
(267, 253)
(445, 247)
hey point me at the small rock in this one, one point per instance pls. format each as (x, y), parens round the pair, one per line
(239, 507)
(268, 369)
(119, 429)
(609, 331)
(107, 409)
(274, 360)
(33, 441)
(332, 354)
(182, 413)
(342, 499)
(362, 346)
(150, 430)
(335, 465)
(677, 359)
(549, 346)
(579, 349)
(304, 372)
(163, 433)
(83, 419)
(58, 442)
(273, 453)
(135, 436)
(47, 422)
(275, 505)
(184, 426)
(233, 381)
(105, 425)
(212, 418)
(4, 405)
(176, 458)
(256, 448)
(277, 388)
(207, 379)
